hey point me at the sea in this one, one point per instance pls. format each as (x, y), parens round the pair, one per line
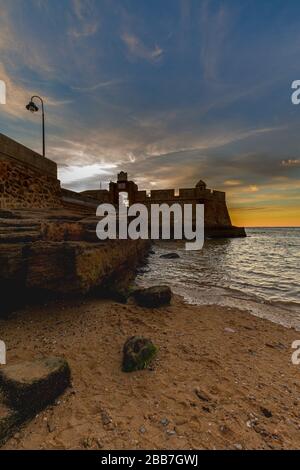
(259, 274)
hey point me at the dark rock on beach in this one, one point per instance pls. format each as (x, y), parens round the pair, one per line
(153, 297)
(31, 386)
(137, 354)
(27, 388)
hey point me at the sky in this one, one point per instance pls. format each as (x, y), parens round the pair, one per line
(170, 91)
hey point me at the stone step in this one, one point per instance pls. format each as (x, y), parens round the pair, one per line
(19, 223)
(19, 237)
(91, 236)
(25, 228)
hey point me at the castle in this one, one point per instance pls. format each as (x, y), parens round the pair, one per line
(29, 181)
(217, 218)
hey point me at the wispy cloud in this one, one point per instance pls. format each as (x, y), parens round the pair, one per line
(215, 23)
(137, 49)
(291, 163)
(97, 86)
(86, 24)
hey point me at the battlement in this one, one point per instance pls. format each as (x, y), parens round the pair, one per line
(162, 194)
(199, 194)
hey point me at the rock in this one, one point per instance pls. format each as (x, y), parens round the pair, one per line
(51, 426)
(48, 252)
(154, 296)
(105, 417)
(119, 292)
(30, 386)
(165, 422)
(170, 256)
(137, 354)
(202, 395)
(229, 330)
(238, 446)
(267, 413)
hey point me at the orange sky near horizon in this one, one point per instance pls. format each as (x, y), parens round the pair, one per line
(274, 204)
(266, 217)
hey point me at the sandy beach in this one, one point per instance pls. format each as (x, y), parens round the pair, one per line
(223, 379)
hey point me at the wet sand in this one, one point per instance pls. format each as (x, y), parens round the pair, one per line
(223, 379)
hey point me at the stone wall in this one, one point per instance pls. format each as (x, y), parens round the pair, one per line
(27, 180)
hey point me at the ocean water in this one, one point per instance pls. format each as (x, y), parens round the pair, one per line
(260, 274)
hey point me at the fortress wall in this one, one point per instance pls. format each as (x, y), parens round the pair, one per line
(27, 180)
(162, 194)
(141, 196)
(220, 195)
(102, 195)
(187, 193)
(216, 214)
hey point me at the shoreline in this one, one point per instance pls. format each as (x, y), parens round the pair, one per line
(223, 379)
(200, 286)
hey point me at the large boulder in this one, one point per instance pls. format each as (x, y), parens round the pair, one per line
(170, 256)
(30, 386)
(138, 353)
(153, 297)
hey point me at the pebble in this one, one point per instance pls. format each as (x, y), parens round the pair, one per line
(267, 413)
(238, 446)
(229, 330)
(164, 422)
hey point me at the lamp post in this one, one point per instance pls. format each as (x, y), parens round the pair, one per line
(33, 108)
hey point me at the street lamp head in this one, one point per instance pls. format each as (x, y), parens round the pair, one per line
(32, 107)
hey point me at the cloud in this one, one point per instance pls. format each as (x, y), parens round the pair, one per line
(97, 86)
(83, 176)
(137, 49)
(233, 183)
(87, 25)
(215, 24)
(18, 96)
(291, 162)
(253, 188)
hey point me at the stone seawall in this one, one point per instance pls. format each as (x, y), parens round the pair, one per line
(27, 180)
(23, 187)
